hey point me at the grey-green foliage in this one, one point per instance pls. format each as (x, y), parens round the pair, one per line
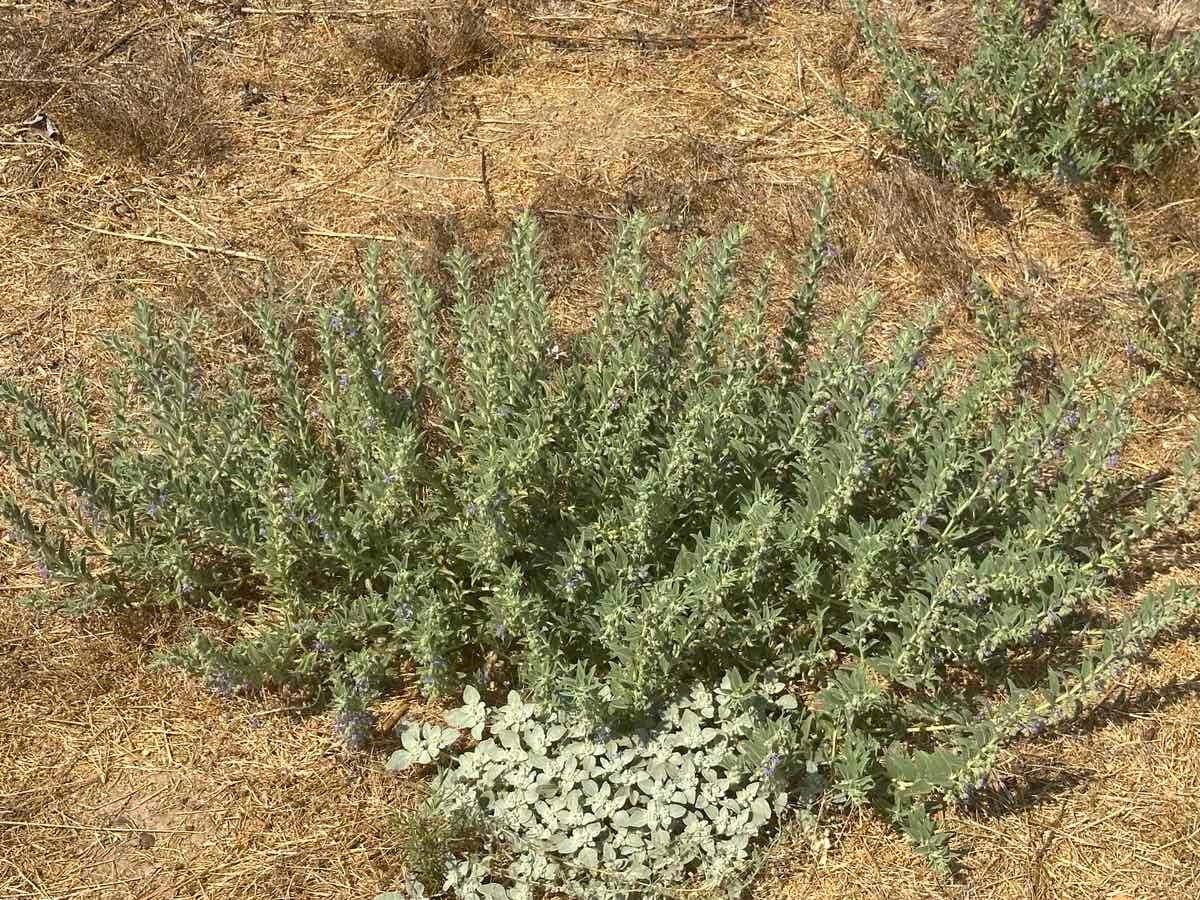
(931, 551)
(599, 815)
(1060, 95)
(1170, 339)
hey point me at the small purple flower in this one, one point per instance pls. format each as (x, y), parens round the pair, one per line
(1067, 169)
(352, 330)
(222, 683)
(472, 509)
(483, 677)
(185, 588)
(388, 479)
(311, 519)
(615, 403)
(873, 408)
(771, 765)
(830, 251)
(868, 434)
(1071, 419)
(866, 468)
(919, 361)
(156, 505)
(576, 581)
(43, 572)
(322, 647)
(335, 324)
(500, 631)
(1113, 460)
(437, 667)
(354, 728)
(404, 613)
(344, 380)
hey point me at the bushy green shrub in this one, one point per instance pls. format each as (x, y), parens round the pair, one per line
(925, 554)
(1169, 339)
(1062, 96)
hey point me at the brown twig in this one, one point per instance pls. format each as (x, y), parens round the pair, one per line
(169, 242)
(17, 823)
(641, 38)
(123, 40)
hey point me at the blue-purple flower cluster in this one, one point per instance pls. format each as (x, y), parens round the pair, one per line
(577, 580)
(771, 765)
(354, 727)
(226, 684)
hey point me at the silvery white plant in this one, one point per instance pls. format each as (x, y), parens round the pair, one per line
(597, 814)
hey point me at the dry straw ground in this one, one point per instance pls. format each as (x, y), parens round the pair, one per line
(188, 143)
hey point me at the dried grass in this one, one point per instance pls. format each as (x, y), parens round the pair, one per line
(155, 112)
(238, 802)
(134, 91)
(443, 42)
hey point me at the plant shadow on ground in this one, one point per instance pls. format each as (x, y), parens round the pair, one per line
(1030, 784)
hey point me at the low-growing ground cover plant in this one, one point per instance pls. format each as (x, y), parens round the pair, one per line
(1052, 93)
(781, 562)
(559, 804)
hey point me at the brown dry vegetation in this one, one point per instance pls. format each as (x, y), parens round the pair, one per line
(198, 140)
